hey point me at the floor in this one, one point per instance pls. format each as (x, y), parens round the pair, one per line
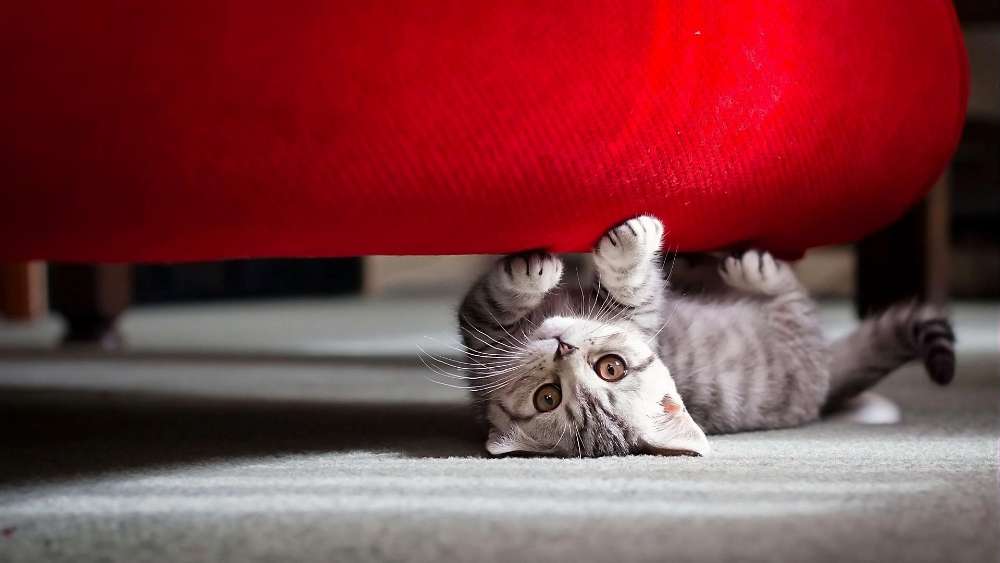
(306, 431)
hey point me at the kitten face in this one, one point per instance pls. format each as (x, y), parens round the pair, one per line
(585, 388)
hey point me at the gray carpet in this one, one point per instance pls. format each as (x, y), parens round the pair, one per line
(152, 458)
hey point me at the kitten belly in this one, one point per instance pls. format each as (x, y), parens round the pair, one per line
(736, 372)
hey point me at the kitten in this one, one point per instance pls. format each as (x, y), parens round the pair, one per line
(630, 365)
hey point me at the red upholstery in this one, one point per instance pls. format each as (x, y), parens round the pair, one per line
(183, 130)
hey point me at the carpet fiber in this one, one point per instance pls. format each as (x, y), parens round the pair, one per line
(145, 458)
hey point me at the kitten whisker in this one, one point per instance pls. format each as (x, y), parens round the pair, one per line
(486, 375)
(558, 440)
(503, 328)
(475, 353)
(504, 345)
(499, 361)
(597, 292)
(622, 313)
(486, 387)
(485, 359)
(670, 316)
(516, 375)
(483, 372)
(437, 370)
(607, 300)
(505, 348)
(525, 335)
(548, 449)
(443, 374)
(487, 391)
(673, 262)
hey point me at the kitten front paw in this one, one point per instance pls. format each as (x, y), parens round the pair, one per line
(631, 243)
(758, 272)
(528, 274)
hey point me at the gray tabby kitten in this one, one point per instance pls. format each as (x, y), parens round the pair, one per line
(631, 366)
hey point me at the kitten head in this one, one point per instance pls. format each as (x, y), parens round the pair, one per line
(585, 388)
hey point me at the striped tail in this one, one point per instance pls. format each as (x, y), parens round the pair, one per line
(884, 342)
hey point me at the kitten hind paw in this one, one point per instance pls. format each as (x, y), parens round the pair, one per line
(758, 272)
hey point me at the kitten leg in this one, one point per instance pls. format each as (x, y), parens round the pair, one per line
(495, 306)
(883, 343)
(628, 272)
(759, 273)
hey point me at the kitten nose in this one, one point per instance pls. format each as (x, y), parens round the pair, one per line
(564, 349)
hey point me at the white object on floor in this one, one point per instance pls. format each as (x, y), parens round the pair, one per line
(869, 408)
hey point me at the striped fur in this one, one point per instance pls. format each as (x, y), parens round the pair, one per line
(749, 356)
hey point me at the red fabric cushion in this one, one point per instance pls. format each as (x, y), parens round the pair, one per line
(184, 130)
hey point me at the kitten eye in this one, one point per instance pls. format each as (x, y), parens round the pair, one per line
(547, 397)
(611, 367)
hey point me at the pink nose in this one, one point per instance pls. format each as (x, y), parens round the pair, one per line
(564, 349)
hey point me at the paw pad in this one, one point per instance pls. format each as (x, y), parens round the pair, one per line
(633, 242)
(758, 272)
(530, 273)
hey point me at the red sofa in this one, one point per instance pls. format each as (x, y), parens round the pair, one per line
(189, 130)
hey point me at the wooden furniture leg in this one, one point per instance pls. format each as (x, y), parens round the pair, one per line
(908, 259)
(91, 297)
(23, 290)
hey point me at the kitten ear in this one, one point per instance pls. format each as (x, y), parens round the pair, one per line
(674, 433)
(500, 444)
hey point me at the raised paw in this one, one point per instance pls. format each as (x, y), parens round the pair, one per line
(530, 274)
(758, 272)
(629, 244)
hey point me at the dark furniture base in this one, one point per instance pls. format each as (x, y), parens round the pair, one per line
(91, 298)
(906, 260)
